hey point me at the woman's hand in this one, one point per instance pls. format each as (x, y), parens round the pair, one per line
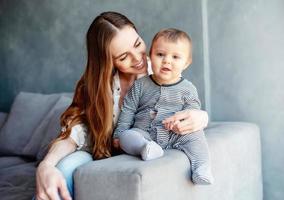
(115, 143)
(49, 181)
(186, 121)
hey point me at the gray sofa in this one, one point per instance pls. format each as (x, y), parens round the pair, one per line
(33, 122)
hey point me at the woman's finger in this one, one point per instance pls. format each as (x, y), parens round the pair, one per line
(179, 116)
(64, 191)
(41, 196)
(116, 143)
(181, 130)
(52, 193)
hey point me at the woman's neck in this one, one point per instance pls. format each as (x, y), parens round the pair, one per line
(126, 81)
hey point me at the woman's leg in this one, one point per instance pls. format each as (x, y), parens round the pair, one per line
(70, 163)
(134, 142)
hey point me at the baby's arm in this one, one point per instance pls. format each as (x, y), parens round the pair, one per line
(128, 110)
(182, 119)
(191, 100)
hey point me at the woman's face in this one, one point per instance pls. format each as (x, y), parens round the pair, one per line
(129, 51)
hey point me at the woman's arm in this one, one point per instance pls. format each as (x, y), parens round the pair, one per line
(49, 179)
(187, 121)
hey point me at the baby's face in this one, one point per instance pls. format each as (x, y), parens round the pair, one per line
(169, 59)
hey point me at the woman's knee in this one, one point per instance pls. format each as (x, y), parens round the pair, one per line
(68, 164)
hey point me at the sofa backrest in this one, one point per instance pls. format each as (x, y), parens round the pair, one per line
(33, 122)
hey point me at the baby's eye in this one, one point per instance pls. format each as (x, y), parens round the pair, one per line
(176, 57)
(160, 54)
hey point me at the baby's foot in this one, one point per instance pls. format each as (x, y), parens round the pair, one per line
(152, 151)
(202, 176)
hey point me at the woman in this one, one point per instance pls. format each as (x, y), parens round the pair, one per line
(116, 57)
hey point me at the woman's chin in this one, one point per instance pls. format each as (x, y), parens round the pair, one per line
(143, 70)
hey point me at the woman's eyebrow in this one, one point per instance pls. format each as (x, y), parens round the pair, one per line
(136, 42)
(126, 52)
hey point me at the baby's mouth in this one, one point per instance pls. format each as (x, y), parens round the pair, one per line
(165, 69)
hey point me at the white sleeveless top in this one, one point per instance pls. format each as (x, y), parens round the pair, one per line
(79, 132)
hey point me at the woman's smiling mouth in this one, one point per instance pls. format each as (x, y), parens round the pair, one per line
(139, 65)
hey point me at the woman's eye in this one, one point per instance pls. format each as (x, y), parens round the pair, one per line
(138, 44)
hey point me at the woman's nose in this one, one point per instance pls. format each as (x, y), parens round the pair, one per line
(136, 56)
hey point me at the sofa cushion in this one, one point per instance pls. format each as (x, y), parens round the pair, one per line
(52, 128)
(3, 117)
(29, 115)
(9, 161)
(17, 181)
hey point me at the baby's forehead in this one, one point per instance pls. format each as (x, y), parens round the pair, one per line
(173, 42)
(172, 39)
(181, 39)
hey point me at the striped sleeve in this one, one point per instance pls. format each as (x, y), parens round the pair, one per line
(191, 100)
(128, 110)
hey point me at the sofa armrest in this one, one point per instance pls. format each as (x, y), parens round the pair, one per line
(236, 165)
(3, 117)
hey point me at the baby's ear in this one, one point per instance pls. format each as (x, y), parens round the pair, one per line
(188, 63)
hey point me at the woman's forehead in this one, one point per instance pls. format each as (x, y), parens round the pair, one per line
(123, 41)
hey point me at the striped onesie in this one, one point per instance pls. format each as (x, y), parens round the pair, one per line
(147, 104)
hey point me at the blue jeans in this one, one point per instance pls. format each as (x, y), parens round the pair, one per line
(69, 164)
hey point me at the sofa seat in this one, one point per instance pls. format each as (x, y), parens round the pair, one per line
(236, 164)
(17, 178)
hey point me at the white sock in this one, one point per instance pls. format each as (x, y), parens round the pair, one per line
(152, 151)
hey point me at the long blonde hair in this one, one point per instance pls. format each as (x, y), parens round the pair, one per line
(92, 103)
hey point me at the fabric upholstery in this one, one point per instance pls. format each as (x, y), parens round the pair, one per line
(236, 165)
(8, 161)
(17, 182)
(47, 130)
(3, 117)
(27, 130)
(32, 123)
(26, 113)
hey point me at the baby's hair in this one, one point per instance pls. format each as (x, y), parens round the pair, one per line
(172, 35)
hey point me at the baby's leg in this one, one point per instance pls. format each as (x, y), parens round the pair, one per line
(195, 147)
(134, 142)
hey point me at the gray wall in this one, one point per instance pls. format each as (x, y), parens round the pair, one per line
(43, 44)
(237, 61)
(246, 46)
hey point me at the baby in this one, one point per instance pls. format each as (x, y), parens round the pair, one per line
(153, 98)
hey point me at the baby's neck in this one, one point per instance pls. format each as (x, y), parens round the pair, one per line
(166, 82)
